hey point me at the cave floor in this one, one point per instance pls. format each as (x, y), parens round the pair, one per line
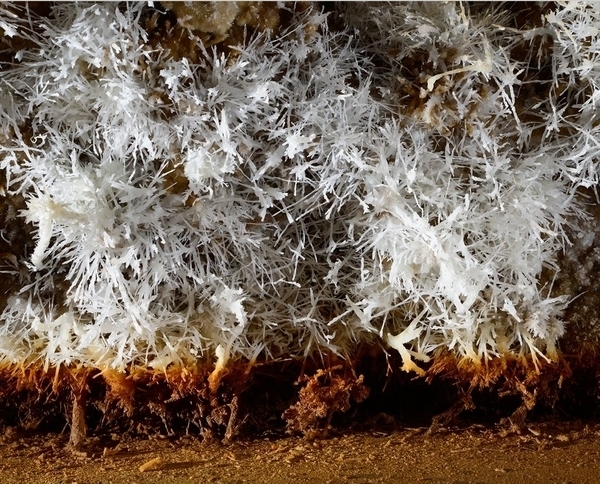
(549, 452)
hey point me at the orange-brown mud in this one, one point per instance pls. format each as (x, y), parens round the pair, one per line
(303, 398)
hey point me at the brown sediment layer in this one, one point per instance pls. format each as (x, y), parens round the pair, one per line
(490, 372)
(296, 397)
(530, 381)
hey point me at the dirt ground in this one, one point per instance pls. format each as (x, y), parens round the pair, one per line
(545, 453)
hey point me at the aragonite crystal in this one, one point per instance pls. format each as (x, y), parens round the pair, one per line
(195, 192)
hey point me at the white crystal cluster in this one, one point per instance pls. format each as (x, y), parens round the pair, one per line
(404, 179)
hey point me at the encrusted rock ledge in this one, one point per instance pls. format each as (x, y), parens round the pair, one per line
(306, 398)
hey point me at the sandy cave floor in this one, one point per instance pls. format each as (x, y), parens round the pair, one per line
(551, 452)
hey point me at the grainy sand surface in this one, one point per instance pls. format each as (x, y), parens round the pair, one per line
(545, 453)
